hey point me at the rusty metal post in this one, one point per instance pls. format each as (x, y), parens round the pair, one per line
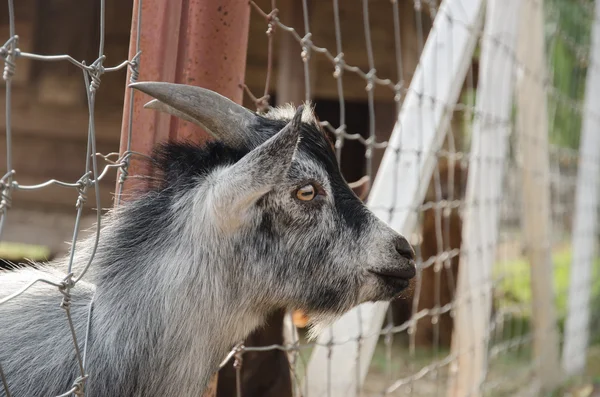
(140, 129)
(213, 42)
(197, 42)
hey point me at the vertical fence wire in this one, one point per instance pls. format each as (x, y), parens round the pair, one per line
(405, 363)
(407, 366)
(91, 176)
(134, 74)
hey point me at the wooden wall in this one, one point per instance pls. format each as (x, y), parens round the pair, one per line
(49, 104)
(49, 108)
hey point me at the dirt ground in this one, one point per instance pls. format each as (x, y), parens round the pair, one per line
(508, 375)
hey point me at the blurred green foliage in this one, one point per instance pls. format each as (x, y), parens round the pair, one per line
(514, 286)
(567, 31)
(567, 27)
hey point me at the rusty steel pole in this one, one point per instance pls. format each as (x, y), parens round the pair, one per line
(197, 42)
(213, 42)
(158, 22)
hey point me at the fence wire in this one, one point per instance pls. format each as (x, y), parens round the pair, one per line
(89, 180)
(413, 356)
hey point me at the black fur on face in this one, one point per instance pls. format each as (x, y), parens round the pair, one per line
(177, 162)
(307, 236)
(311, 255)
(179, 165)
(316, 145)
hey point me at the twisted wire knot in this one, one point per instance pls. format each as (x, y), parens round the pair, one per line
(306, 46)
(238, 360)
(81, 198)
(65, 290)
(95, 71)
(271, 19)
(235, 352)
(134, 67)
(9, 52)
(339, 65)
(66, 301)
(398, 91)
(95, 82)
(82, 186)
(5, 197)
(124, 169)
(370, 80)
(78, 385)
(9, 68)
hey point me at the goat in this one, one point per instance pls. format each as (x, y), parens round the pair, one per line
(259, 220)
(267, 373)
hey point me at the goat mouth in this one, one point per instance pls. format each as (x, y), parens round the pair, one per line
(394, 281)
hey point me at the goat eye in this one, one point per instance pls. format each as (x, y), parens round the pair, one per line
(306, 193)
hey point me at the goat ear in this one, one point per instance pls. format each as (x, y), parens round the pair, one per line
(240, 186)
(222, 118)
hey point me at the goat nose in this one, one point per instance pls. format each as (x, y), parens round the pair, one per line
(404, 248)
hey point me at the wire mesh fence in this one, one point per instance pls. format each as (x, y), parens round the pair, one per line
(98, 166)
(358, 62)
(413, 355)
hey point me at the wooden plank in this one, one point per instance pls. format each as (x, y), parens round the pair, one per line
(341, 369)
(491, 129)
(59, 122)
(25, 17)
(44, 156)
(353, 39)
(585, 223)
(51, 229)
(532, 133)
(38, 158)
(63, 31)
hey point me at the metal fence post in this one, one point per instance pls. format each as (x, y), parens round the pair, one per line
(196, 42)
(141, 128)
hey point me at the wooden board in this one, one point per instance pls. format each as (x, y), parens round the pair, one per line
(585, 225)
(532, 137)
(489, 144)
(354, 45)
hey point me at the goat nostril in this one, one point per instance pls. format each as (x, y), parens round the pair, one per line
(408, 254)
(404, 248)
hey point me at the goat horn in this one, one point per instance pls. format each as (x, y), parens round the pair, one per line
(155, 104)
(222, 118)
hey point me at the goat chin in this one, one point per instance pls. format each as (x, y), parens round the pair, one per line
(319, 322)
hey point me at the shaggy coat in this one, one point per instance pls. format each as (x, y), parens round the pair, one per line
(225, 236)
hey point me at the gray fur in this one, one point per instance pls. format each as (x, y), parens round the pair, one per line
(171, 300)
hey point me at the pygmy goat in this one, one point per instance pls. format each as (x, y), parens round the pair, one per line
(258, 220)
